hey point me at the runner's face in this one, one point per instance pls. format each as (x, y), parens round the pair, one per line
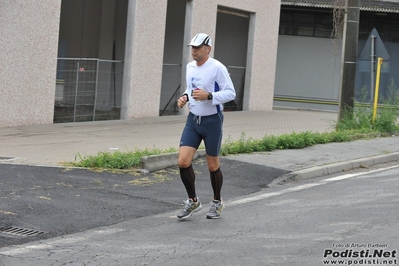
(200, 53)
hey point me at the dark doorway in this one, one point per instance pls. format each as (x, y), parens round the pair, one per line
(172, 60)
(231, 46)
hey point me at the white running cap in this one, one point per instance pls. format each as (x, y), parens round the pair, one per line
(200, 39)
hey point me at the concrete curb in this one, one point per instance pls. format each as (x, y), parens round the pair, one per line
(317, 171)
(157, 162)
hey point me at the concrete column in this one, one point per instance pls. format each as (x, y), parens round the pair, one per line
(186, 50)
(249, 63)
(128, 62)
(144, 58)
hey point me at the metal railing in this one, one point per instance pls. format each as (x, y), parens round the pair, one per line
(170, 90)
(88, 89)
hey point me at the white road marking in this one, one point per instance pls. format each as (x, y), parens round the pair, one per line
(302, 187)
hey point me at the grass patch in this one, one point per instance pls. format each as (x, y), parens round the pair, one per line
(285, 141)
(132, 159)
(118, 159)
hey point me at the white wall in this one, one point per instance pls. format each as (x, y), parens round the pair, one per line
(29, 31)
(29, 41)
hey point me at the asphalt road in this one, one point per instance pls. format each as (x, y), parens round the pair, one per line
(310, 223)
(50, 202)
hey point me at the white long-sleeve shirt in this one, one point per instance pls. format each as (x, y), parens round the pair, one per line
(212, 77)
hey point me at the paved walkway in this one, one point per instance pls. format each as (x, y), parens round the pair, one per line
(55, 143)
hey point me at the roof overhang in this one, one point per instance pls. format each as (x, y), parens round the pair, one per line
(378, 7)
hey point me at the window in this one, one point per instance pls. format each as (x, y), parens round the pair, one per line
(305, 23)
(387, 25)
(319, 23)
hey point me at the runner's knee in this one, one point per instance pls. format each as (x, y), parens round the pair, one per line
(183, 162)
(213, 163)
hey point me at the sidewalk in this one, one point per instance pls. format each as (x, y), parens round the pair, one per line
(49, 145)
(52, 144)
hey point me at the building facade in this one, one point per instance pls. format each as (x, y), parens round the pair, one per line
(309, 56)
(76, 60)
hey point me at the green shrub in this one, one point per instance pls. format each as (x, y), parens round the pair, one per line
(387, 114)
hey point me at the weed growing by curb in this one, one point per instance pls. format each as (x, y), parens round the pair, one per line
(118, 159)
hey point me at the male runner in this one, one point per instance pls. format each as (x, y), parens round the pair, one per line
(209, 86)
